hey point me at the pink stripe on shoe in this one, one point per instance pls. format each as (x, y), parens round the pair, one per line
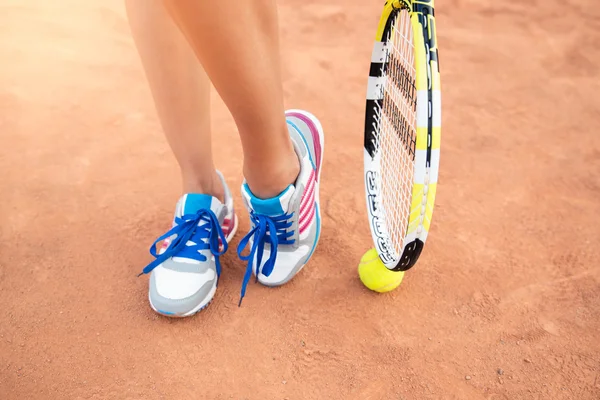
(315, 136)
(307, 208)
(226, 226)
(305, 222)
(308, 192)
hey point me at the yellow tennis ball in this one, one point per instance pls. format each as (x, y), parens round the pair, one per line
(374, 275)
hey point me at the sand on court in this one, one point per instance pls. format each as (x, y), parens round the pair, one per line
(504, 304)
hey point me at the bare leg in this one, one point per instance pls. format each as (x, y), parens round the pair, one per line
(238, 45)
(181, 92)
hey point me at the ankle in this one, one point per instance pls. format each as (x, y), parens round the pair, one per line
(205, 184)
(267, 181)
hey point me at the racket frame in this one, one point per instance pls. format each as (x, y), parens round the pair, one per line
(428, 133)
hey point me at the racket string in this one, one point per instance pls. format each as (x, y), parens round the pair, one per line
(396, 127)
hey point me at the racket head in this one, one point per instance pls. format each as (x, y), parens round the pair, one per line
(402, 132)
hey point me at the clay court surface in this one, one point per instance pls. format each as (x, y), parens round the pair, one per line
(504, 304)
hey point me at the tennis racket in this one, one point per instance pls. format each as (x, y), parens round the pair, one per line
(402, 131)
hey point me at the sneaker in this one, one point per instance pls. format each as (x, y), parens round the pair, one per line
(186, 270)
(285, 229)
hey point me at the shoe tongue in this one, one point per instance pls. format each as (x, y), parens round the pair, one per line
(272, 207)
(192, 202)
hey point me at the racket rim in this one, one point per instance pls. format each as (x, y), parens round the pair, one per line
(422, 22)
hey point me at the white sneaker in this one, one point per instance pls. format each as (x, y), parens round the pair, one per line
(285, 229)
(186, 270)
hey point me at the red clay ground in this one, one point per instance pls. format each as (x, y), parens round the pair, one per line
(504, 304)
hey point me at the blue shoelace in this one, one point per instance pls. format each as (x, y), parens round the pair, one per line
(273, 230)
(205, 237)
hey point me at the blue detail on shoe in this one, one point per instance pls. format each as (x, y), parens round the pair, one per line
(196, 201)
(270, 206)
(181, 315)
(275, 231)
(310, 157)
(206, 237)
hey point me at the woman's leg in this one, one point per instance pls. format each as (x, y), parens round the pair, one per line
(181, 92)
(185, 273)
(238, 45)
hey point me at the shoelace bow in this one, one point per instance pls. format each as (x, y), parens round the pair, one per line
(205, 237)
(273, 230)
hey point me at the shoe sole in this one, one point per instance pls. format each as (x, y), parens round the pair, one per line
(205, 303)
